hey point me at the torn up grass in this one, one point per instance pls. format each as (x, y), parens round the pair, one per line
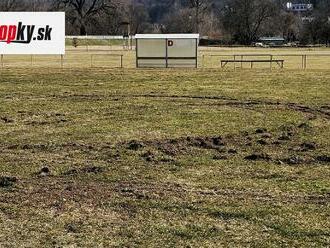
(173, 158)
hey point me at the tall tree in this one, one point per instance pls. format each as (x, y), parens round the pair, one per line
(138, 18)
(200, 6)
(9, 5)
(82, 12)
(322, 22)
(243, 19)
(178, 21)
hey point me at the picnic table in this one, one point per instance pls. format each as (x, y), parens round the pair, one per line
(270, 60)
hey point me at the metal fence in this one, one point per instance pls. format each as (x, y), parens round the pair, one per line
(126, 59)
(63, 61)
(290, 61)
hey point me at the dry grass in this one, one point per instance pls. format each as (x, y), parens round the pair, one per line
(174, 158)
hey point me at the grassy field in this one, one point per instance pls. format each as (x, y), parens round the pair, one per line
(100, 157)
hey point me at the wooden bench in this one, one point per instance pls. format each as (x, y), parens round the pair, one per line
(279, 62)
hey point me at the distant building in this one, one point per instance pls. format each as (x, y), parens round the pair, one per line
(299, 7)
(272, 41)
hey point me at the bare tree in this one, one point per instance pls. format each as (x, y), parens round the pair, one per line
(178, 21)
(25, 5)
(318, 29)
(81, 12)
(38, 5)
(288, 25)
(200, 6)
(138, 18)
(9, 5)
(243, 19)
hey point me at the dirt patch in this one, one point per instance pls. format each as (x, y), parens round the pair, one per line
(148, 156)
(73, 227)
(220, 157)
(296, 160)
(44, 171)
(258, 156)
(174, 147)
(323, 158)
(157, 157)
(288, 147)
(135, 145)
(261, 130)
(85, 170)
(150, 190)
(218, 141)
(93, 169)
(232, 151)
(202, 142)
(46, 122)
(284, 138)
(266, 135)
(135, 193)
(6, 182)
(262, 142)
(6, 120)
(304, 125)
(308, 146)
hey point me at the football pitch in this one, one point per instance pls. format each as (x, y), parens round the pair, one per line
(110, 157)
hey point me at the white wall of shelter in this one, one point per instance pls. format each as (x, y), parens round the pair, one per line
(166, 50)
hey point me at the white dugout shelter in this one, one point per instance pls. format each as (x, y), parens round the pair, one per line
(166, 50)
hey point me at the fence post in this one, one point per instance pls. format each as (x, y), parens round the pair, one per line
(305, 61)
(121, 61)
(2, 64)
(203, 61)
(87, 48)
(62, 57)
(234, 62)
(271, 62)
(91, 60)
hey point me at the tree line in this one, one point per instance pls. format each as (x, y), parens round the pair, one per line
(231, 21)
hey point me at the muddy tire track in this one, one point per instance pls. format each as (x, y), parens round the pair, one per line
(251, 145)
(48, 190)
(323, 111)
